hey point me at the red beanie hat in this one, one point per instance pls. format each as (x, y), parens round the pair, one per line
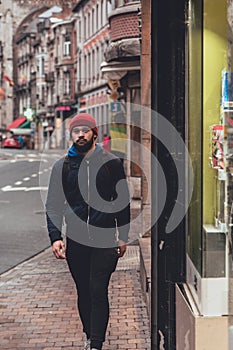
(82, 119)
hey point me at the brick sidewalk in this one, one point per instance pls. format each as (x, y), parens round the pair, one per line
(38, 307)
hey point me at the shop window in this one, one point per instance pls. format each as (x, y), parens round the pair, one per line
(209, 125)
(194, 122)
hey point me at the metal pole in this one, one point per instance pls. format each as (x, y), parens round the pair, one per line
(62, 131)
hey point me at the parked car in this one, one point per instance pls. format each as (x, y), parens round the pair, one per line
(11, 142)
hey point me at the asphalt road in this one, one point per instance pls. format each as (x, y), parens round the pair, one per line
(23, 184)
(24, 177)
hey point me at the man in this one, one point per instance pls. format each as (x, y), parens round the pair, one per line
(88, 188)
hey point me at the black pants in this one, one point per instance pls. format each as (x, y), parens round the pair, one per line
(91, 269)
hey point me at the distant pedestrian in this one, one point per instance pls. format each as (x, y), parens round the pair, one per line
(21, 140)
(107, 143)
(84, 189)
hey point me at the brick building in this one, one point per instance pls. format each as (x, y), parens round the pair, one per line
(14, 15)
(92, 40)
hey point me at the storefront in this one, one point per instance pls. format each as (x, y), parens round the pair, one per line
(22, 127)
(194, 91)
(208, 120)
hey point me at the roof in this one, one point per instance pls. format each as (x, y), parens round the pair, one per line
(16, 123)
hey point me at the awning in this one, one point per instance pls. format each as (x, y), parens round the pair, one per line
(16, 123)
(25, 125)
(20, 131)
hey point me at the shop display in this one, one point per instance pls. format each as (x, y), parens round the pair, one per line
(222, 155)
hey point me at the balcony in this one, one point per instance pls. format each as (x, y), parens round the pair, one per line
(124, 32)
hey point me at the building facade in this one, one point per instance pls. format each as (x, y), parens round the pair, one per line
(92, 40)
(13, 15)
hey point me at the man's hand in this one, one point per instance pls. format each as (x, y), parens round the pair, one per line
(59, 249)
(121, 248)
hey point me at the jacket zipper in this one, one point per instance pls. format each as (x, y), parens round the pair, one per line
(88, 199)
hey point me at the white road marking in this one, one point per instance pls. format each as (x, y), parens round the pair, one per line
(36, 189)
(18, 183)
(6, 187)
(26, 189)
(10, 189)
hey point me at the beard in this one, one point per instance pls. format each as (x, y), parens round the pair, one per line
(85, 147)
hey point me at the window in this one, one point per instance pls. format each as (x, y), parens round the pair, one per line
(52, 94)
(42, 65)
(79, 31)
(86, 68)
(209, 116)
(93, 21)
(101, 13)
(102, 51)
(97, 16)
(67, 83)
(79, 70)
(43, 96)
(58, 48)
(89, 25)
(59, 90)
(93, 64)
(51, 63)
(85, 28)
(97, 61)
(89, 67)
(67, 45)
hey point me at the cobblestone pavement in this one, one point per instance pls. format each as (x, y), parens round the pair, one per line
(38, 307)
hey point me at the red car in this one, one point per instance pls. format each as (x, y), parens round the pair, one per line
(11, 142)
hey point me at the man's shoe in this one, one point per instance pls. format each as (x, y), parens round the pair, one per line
(87, 345)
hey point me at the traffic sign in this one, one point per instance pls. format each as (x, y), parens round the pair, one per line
(115, 107)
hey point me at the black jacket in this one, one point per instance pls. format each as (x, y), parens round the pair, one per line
(89, 194)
